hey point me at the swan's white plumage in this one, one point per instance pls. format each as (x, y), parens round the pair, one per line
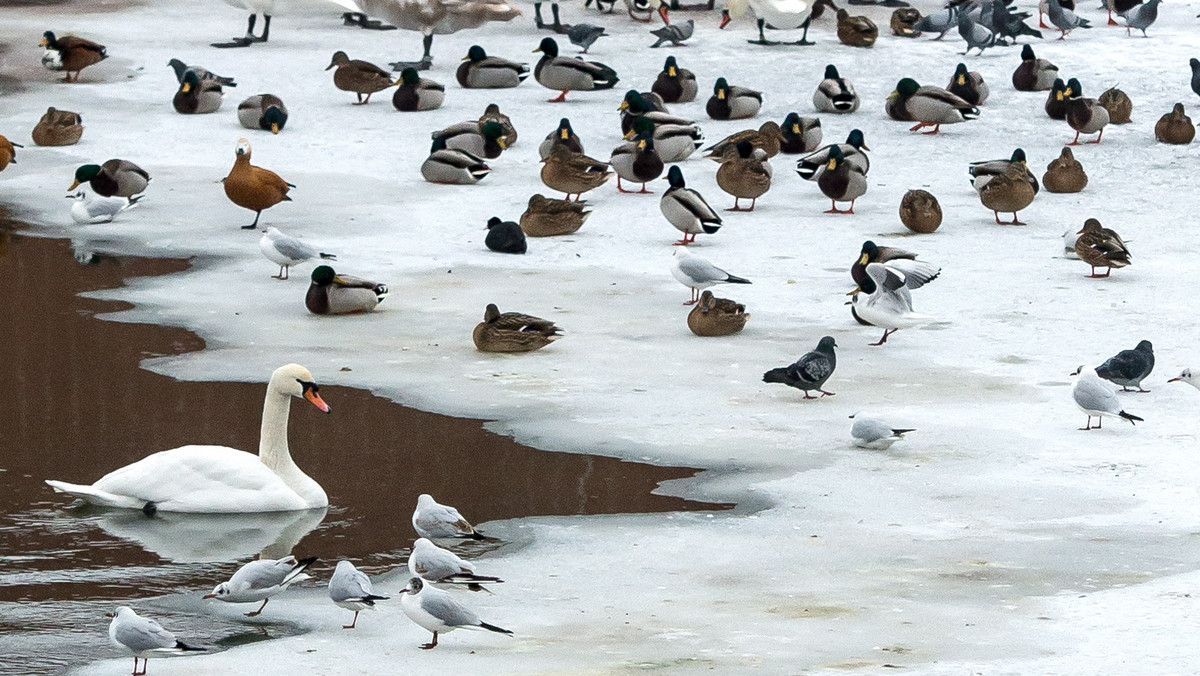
(216, 479)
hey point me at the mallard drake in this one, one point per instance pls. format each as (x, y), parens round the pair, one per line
(968, 86)
(672, 142)
(1175, 127)
(252, 187)
(729, 102)
(856, 31)
(1056, 102)
(182, 69)
(547, 217)
(573, 173)
(435, 17)
(984, 171)
(920, 211)
(8, 153)
(513, 332)
(481, 140)
(853, 150)
(1034, 74)
(563, 135)
(358, 76)
(492, 114)
(779, 14)
(835, 94)
(745, 173)
(263, 111)
(454, 167)
(1064, 174)
(1118, 105)
(114, 178)
(636, 105)
(1100, 247)
(636, 161)
(416, 93)
(58, 128)
(1086, 116)
(70, 54)
(1009, 192)
(197, 97)
(928, 106)
(842, 181)
(504, 237)
(565, 74)
(714, 316)
(768, 137)
(480, 71)
(904, 21)
(334, 294)
(687, 209)
(675, 84)
(800, 134)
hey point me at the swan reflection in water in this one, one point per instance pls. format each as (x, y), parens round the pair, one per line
(210, 538)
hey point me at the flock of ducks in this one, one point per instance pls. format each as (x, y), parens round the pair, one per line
(654, 142)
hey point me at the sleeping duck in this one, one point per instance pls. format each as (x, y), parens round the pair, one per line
(480, 71)
(453, 167)
(513, 332)
(334, 294)
(730, 102)
(263, 111)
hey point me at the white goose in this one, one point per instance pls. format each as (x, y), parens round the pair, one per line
(218, 479)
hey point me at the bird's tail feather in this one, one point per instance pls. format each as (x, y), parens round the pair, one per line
(1131, 418)
(779, 375)
(737, 280)
(328, 256)
(95, 496)
(492, 627)
(180, 645)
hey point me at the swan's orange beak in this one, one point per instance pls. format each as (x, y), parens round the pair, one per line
(725, 19)
(665, 14)
(316, 400)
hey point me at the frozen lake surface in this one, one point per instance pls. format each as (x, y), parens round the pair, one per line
(997, 539)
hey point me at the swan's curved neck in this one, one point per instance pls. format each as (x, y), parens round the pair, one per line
(273, 450)
(272, 437)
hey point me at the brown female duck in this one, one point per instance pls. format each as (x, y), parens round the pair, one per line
(573, 173)
(358, 76)
(1175, 127)
(58, 128)
(1064, 174)
(714, 316)
(548, 217)
(1100, 247)
(513, 332)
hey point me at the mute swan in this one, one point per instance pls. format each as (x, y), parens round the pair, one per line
(218, 479)
(779, 14)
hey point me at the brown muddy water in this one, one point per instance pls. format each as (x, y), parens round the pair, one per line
(76, 405)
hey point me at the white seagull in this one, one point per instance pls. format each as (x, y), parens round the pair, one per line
(432, 563)
(438, 612)
(350, 588)
(874, 433)
(286, 251)
(432, 520)
(1097, 397)
(143, 638)
(260, 580)
(90, 208)
(698, 274)
(1186, 376)
(885, 300)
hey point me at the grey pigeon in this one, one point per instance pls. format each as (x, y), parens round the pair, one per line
(182, 68)
(977, 36)
(1128, 368)
(1140, 16)
(584, 34)
(674, 33)
(1009, 25)
(939, 22)
(810, 371)
(1195, 64)
(1064, 19)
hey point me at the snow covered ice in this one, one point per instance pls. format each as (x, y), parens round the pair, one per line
(999, 540)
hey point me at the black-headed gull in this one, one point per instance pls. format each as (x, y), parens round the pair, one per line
(1096, 397)
(286, 251)
(873, 433)
(432, 563)
(143, 638)
(260, 580)
(89, 208)
(1186, 376)
(350, 588)
(697, 273)
(432, 520)
(438, 612)
(886, 301)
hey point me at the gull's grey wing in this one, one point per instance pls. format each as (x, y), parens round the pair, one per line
(294, 248)
(446, 609)
(351, 585)
(702, 271)
(141, 633)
